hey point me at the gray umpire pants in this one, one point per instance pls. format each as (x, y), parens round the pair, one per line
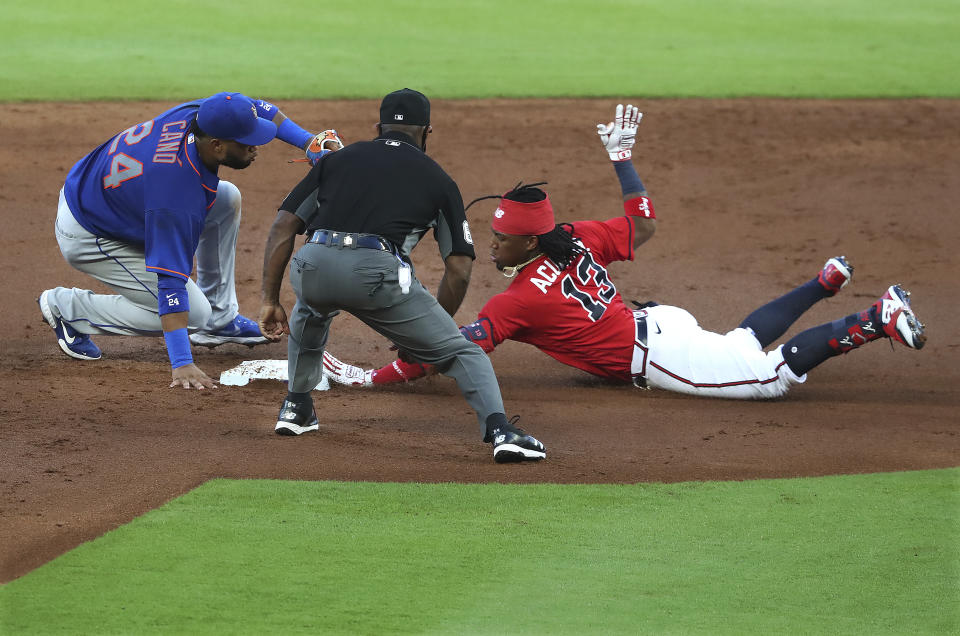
(364, 283)
(133, 311)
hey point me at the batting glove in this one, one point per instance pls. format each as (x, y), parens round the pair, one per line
(619, 135)
(343, 373)
(324, 143)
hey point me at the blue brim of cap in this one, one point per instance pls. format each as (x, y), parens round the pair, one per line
(265, 131)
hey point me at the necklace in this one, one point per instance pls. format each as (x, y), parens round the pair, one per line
(510, 272)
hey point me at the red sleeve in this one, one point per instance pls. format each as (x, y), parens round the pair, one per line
(479, 332)
(608, 240)
(400, 371)
(504, 316)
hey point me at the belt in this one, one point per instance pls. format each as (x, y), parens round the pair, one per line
(352, 240)
(642, 330)
(638, 380)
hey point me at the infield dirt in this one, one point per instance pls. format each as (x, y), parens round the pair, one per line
(752, 197)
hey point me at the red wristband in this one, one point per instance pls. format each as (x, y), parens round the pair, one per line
(640, 206)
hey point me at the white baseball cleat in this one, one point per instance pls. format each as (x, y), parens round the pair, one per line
(898, 320)
(836, 273)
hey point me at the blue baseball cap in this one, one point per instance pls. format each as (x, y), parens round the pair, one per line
(233, 116)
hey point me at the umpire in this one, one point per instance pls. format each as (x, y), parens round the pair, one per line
(363, 209)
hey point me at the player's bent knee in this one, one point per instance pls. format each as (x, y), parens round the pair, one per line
(228, 195)
(199, 315)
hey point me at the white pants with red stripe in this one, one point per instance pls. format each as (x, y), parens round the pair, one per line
(682, 357)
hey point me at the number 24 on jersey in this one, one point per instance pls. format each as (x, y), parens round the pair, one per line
(123, 167)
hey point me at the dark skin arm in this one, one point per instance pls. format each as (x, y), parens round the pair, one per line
(456, 279)
(276, 256)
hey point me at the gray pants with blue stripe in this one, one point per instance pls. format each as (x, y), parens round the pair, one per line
(364, 283)
(132, 310)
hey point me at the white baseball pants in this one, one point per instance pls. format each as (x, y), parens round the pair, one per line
(682, 357)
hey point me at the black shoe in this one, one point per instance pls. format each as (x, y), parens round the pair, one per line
(296, 419)
(511, 444)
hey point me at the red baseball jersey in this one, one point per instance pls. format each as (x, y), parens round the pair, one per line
(575, 315)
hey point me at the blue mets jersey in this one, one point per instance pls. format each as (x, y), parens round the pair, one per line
(147, 186)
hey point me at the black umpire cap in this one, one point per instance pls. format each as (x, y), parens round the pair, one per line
(405, 106)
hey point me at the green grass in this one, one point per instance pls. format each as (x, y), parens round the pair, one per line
(869, 554)
(65, 50)
(872, 554)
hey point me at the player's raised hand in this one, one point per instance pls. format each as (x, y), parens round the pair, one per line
(619, 135)
(190, 376)
(343, 373)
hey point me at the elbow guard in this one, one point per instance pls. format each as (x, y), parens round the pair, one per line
(480, 332)
(639, 206)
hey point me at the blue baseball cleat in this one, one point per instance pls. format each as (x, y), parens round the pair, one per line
(74, 344)
(241, 330)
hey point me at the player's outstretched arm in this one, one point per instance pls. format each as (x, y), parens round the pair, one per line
(479, 332)
(349, 375)
(313, 146)
(618, 138)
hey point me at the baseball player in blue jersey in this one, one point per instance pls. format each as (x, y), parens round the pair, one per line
(133, 214)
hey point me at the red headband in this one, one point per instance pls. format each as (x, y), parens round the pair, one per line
(522, 219)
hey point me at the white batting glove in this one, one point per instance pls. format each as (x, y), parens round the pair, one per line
(619, 135)
(347, 374)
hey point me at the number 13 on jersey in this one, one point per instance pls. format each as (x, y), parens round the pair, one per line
(589, 272)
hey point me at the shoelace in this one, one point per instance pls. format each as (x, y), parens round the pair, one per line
(511, 427)
(512, 422)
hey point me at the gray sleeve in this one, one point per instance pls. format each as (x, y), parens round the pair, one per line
(302, 200)
(452, 230)
(444, 238)
(307, 208)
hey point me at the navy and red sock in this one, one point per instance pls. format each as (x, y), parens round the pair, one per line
(772, 320)
(810, 348)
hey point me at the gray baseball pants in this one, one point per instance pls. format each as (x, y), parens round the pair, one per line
(364, 283)
(132, 310)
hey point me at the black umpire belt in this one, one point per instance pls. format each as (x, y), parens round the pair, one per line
(351, 240)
